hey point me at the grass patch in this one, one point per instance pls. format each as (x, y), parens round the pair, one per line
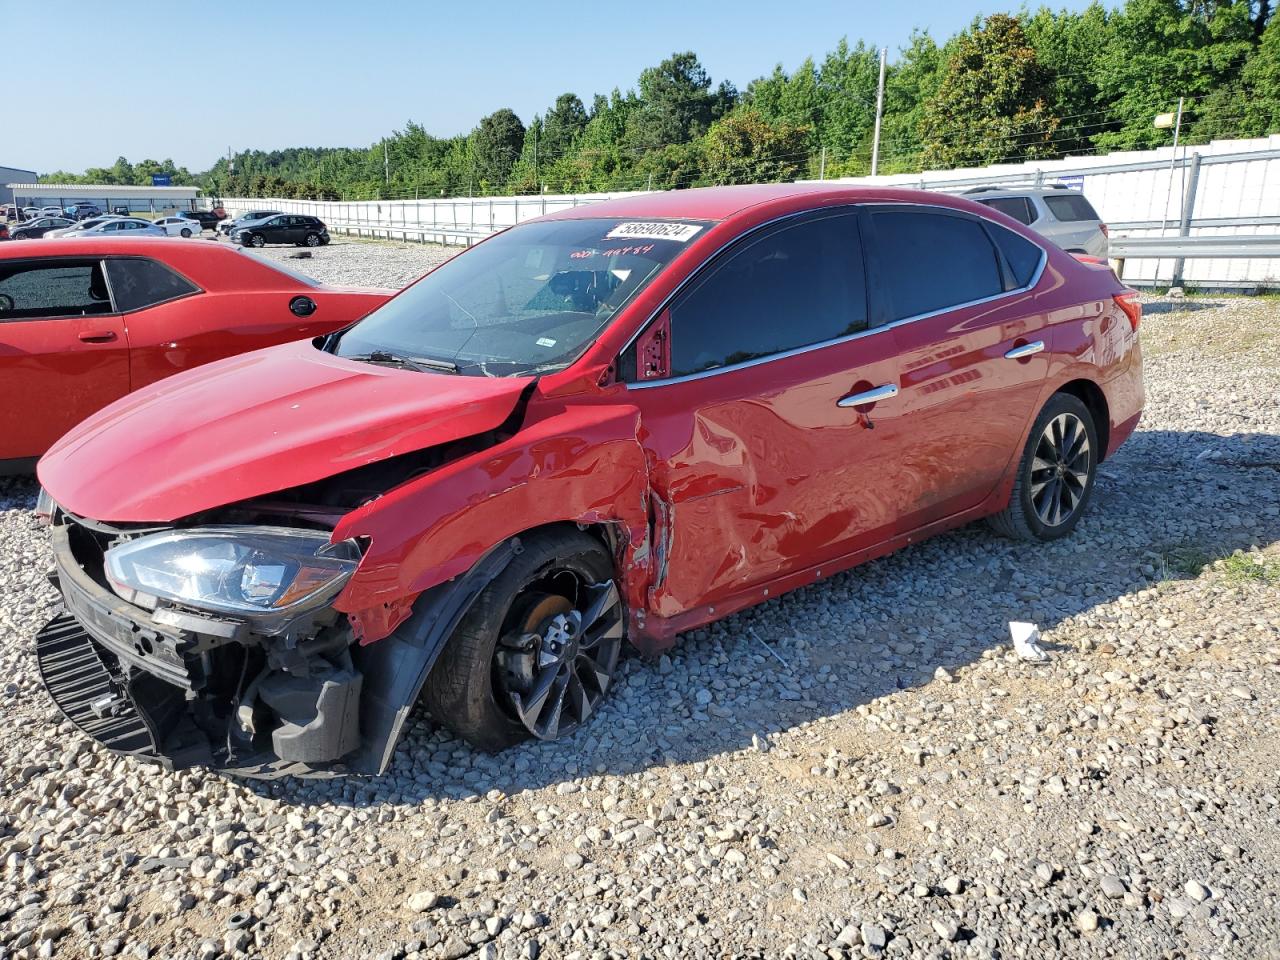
(1243, 567)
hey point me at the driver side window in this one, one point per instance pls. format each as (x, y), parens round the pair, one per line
(794, 286)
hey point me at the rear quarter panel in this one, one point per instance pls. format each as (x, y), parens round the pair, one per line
(205, 327)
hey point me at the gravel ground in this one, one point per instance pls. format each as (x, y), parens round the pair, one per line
(859, 768)
(356, 262)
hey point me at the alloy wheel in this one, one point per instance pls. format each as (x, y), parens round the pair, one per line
(555, 666)
(313, 240)
(1060, 469)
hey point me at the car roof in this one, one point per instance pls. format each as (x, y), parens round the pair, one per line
(724, 203)
(996, 192)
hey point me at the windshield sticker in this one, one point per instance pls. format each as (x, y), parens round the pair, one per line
(582, 254)
(679, 232)
(545, 342)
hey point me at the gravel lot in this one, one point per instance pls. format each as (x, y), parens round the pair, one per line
(859, 768)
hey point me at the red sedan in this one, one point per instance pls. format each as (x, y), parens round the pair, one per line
(83, 324)
(612, 424)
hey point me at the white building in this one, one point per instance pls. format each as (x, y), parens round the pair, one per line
(106, 196)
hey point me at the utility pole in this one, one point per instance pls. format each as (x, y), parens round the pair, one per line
(822, 164)
(386, 162)
(535, 154)
(1177, 129)
(875, 144)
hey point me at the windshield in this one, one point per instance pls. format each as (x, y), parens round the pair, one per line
(529, 300)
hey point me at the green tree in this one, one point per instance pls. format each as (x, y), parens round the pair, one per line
(496, 145)
(562, 125)
(1070, 45)
(1261, 84)
(744, 148)
(676, 104)
(992, 103)
(1159, 50)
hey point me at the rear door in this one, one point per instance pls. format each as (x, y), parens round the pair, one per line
(63, 350)
(763, 461)
(958, 292)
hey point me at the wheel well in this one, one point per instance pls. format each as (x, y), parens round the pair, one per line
(1091, 395)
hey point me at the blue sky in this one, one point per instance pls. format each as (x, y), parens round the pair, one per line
(191, 79)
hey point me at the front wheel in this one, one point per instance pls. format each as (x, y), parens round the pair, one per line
(257, 240)
(1055, 475)
(536, 653)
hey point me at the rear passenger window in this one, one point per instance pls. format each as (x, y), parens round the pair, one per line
(34, 291)
(1021, 254)
(138, 283)
(932, 261)
(795, 286)
(1017, 207)
(1071, 206)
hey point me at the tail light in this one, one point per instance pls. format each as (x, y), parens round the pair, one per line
(1128, 302)
(1106, 231)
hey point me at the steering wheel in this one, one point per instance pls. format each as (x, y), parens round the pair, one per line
(6, 303)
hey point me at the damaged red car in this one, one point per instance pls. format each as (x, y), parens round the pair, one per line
(608, 425)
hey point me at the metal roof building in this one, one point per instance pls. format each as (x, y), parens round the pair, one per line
(105, 195)
(12, 173)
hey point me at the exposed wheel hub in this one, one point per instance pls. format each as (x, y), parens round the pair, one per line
(556, 665)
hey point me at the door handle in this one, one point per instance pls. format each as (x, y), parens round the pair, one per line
(1024, 351)
(883, 392)
(97, 336)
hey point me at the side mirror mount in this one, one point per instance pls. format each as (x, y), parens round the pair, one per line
(653, 349)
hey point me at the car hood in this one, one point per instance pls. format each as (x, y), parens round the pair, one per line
(257, 423)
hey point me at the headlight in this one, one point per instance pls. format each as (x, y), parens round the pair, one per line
(251, 571)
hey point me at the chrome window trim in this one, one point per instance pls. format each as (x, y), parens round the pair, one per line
(796, 351)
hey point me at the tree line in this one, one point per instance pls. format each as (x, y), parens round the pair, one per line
(1007, 88)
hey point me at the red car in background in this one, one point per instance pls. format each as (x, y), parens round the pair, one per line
(84, 324)
(618, 422)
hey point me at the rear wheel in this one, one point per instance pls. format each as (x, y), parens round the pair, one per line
(313, 240)
(186, 231)
(1055, 476)
(536, 653)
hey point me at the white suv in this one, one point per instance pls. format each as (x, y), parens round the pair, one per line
(1056, 212)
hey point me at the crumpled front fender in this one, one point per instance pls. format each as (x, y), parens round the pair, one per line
(583, 465)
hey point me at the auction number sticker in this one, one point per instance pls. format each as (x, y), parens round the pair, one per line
(654, 230)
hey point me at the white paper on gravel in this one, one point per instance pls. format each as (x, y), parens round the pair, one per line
(1026, 642)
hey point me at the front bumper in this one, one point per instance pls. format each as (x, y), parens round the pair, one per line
(186, 689)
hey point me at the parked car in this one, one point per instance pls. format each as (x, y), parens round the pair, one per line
(4, 231)
(11, 213)
(118, 226)
(1055, 212)
(38, 227)
(30, 213)
(179, 226)
(208, 219)
(82, 324)
(121, 210)
(226, 226)
(285, 228)
(80, 226)
(50, 211)
(82, 211)
(617, 422)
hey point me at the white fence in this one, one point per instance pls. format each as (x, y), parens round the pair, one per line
(1224, 187)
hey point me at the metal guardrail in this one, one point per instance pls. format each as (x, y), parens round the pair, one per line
(1217, 246)
(387, 228)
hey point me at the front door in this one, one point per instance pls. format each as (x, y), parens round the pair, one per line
(63, 351)
(763, 460)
